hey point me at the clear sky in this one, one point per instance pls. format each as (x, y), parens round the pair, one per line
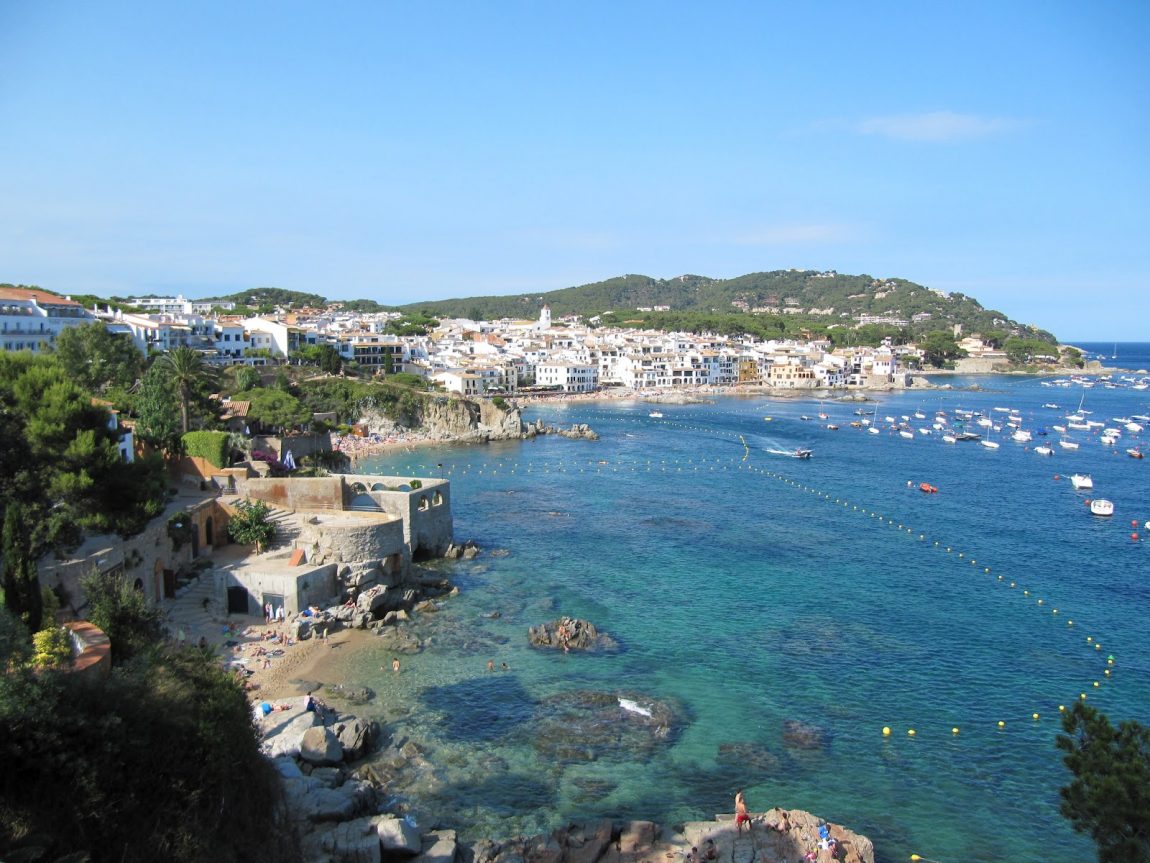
(424, 150)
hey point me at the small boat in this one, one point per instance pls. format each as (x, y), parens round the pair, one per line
(1051, 405)
(1133, 427)
(949, 438)
(1021, 436)
(1081, 481)
(928, 488)
(1045, 449)
(1101, 506)
(765, 419)
(832, 427)
(967, 436)
(989, 444)
(909, 435)
(874, 430)
(1068, 444)
(804, 417)
(1134, 452)
(655, 415)
(803, 453)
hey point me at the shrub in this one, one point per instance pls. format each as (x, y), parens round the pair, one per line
(415, 484)
(499, 402)
(212, 446)
(52, 648)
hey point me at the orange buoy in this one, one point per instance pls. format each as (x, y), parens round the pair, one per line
(1056, 476)
(1134, 536)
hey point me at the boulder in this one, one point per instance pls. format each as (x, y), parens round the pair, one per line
(373, 600)
(286, 739)
(439, 846)
(398, 835)
(320, 746)
(803, 735)
(352, 842)
(542, 849)
(311, 800)
(585, 843)
(355, 737)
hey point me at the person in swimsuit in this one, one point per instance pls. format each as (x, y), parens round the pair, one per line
(741, 814)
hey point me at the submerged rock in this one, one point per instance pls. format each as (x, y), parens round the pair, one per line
(586, 725)
(802, 735)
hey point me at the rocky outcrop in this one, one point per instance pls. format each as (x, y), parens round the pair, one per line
(451, 418)
(578, 431)
(570, 633)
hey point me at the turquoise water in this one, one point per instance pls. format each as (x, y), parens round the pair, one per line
(748, 589)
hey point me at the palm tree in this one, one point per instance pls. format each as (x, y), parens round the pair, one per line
(185, 367)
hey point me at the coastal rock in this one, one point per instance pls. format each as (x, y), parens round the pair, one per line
(350, 694)
(352, 842)
(439, 846)
(284, 737)
(569, 633)
(803, 735)
(585, 843)
(580, 431)
(637, 836)
(311, 800)
(398, 835)
(355, 736)
(373, 600)
(320, 746)
(586, 725)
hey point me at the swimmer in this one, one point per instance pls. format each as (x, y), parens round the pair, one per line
(491, 665)
(395, 665)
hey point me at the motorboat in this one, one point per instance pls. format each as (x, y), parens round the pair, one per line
(989, 444)
(1068, 444)
(1101, 506)
(949, 438)
(928, 488)
(656, 415)
(1045, 449)
(803, 453)
(909, 435)
(967, 436)
(1134, 452)
(1021, 436)
(1081, 481)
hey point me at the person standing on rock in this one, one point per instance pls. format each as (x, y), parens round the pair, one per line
(741, 814)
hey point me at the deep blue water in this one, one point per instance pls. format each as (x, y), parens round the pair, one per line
(1121, 355)
(749, 588)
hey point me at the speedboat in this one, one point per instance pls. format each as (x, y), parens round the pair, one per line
(949, 438)
(1068, 444)
(1081, 481)
(1134, 452)
(803, 453)
(657, 415)
(1045, 449)
(1101, 506)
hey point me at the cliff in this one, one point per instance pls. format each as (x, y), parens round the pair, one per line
(452, 418)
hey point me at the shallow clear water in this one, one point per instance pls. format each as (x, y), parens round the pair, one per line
(748, 589)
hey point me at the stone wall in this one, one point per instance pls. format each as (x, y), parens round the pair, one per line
(428, 526)
(296, 493)
(346, 538)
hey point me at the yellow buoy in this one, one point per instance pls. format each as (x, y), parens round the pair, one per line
(1106, 672)
(910, 732)
(1054, 611)
(886, 731)
(1026, 593)
(1001, 724)
(1040, 602)
(1097, 646)
(1096, 684)
(1070, 623)
(1109, 661)
(1033, 715)
(1082, 696)
(1089, 638)
(954, 730)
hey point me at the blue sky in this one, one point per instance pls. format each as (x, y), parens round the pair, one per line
(423, 150)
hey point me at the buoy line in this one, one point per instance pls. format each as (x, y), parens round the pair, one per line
(677, 464)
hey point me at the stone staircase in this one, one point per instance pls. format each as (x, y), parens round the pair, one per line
(196, 610)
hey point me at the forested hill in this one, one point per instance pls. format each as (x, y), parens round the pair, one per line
(822, 298)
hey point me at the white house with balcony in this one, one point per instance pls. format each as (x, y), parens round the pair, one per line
(569, 377)
(30, 320)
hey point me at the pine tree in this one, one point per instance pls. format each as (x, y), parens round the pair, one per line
(1109, 796)
(20, 581)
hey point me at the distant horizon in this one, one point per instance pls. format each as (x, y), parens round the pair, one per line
(407, 152)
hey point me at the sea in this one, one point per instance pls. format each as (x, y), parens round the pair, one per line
(780, 613)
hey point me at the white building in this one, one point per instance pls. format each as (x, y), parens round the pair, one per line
(569, 377)
(30, 320)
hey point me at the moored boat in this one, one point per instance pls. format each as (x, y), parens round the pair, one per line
(1081, 481)
(1134, 452)
(1101, 506)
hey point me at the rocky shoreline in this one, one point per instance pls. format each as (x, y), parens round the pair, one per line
(338, 811)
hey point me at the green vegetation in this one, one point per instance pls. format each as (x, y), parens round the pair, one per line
(214, 446)
(940, 349)
(161, 761)
(186, 371)
(123, 613)
(752, 304)
(262, 300)
(97, 359)
(276, 408)
(324, 356)
(350, 398)
(1109, 795)
(250, 524)
(246, 378)
(60, 461)
(158, 412)
(416, 323)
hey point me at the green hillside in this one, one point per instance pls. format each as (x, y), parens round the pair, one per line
(784, 300)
